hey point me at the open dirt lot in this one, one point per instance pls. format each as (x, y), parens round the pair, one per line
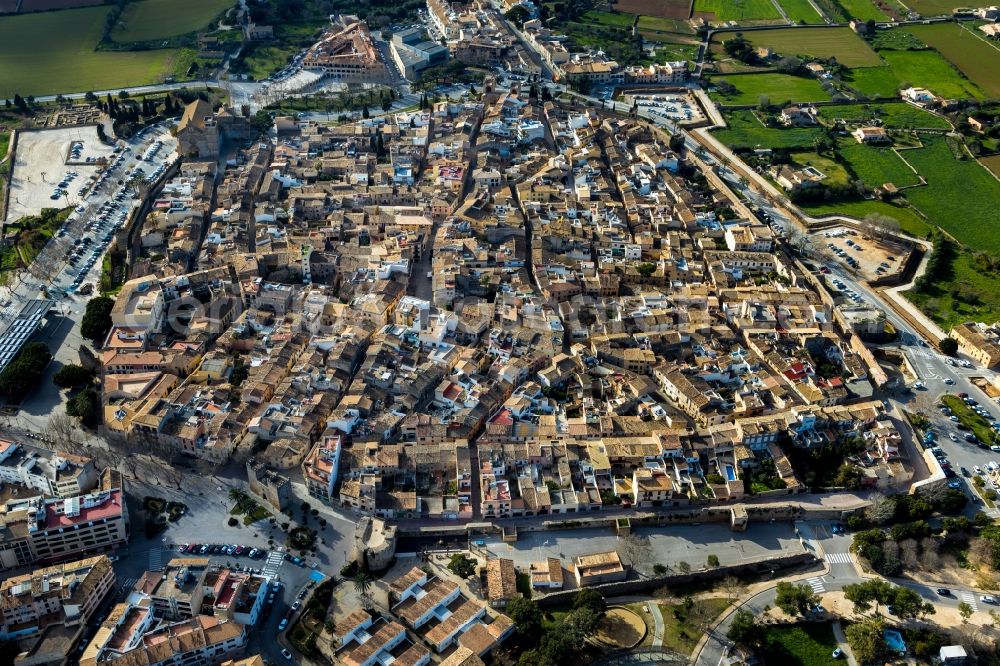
(40, 164)
(870, 253)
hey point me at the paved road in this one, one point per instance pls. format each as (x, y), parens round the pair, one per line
(839, 571)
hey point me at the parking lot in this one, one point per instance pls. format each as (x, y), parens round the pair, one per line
(670, 105)
(871, 258)
(52, 168)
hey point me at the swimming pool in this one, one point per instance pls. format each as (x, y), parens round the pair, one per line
(894, 640)
(730, 473)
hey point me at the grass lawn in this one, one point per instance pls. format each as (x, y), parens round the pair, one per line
(4, 144)
(158, 19)
(840, 43)
(745, 131)
(976, 423)
(678, 632)
(863, 10)
(778, 88)
(800, 11)
(930, 70)
(974, 56)
(616, 19)
(53, 52)
(260, 59)
(800, 645)
(939, 302)
(873, 81)
(876, 166)
(835, 173)
(909, 220)
(737, 10)
(894, 115)
(961, 196)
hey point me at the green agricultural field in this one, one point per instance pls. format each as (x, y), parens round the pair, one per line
(894, 115)
(937, 7)
(876, 166)
(615, 19)
(800, 11)
(961, 196)
(745, 131)
(661, 24)
(840, 43)
(777, 88)
(53, 52)
(978, 288)
(909, 220)
(810, 644)
(159, 19)
(927, 69)
(863, 10)
(874, 81)
(737, 10)
(975, 57)
(835, 173)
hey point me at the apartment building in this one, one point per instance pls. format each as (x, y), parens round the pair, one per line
(66, 594)
(321, 466)
(57, 474)
(979, 342)
(45, 530)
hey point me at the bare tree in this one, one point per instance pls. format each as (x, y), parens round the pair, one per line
(634, 549)
(930, 560)
(733, 587)
(880, 509)
(981, 550)
(909, 553)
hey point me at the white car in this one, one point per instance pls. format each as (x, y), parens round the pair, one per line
(988, 599)
(977, 469)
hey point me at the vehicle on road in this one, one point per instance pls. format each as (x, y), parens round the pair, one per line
(988, 599)
(944, 592)
(283, 624)
(838, 653)
(286, 654)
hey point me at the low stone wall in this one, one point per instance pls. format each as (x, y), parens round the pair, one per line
(639, 585)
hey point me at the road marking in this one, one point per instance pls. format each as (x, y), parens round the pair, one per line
(273, 565)
(155, 558)
(840, 558)
(817, 585)
(969, 598)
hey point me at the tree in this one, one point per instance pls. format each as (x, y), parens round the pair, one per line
(526, 615)
(733, 587)
(72, 375)
(97, 319)
(634, 549)
(362, 585)
(949, 346)
(744, 630)
(590, 598)
(646, 269)
(461, 565)
(795, 599)
(21, 376)
(880, 509)
(965, 610)
(866, 641)
(684, 567)
(86, 406)
(713, 560)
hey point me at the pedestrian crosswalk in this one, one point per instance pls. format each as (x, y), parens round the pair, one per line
(969, 598)
(273, 564)
(155, 558)
(816, 584)
(840, 558)
(125, 586)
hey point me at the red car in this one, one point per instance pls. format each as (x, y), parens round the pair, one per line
(239, 550)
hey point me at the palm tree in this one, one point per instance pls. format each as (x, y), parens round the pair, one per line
(362, 585)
